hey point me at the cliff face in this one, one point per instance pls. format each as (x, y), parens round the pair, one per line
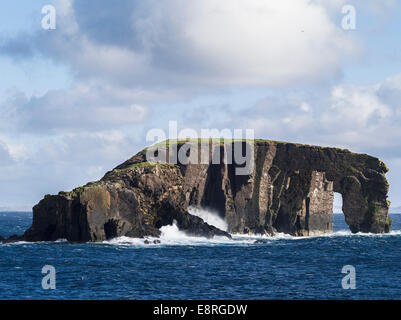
(290, 189)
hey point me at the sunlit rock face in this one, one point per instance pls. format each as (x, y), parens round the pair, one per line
(290, 189)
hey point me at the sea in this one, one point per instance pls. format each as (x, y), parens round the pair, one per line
(340, 265)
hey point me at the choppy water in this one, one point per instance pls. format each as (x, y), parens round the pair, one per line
(183, 267)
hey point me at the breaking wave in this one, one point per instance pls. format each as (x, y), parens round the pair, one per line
(171, 235)
(209, 217)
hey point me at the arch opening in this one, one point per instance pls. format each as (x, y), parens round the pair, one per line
(338, 217)
(338, 203)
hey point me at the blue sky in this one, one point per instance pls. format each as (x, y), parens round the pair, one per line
(78, 100)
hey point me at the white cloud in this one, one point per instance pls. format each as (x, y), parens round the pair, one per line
(91, 106)
(305, 107)
(204, 42)
(370, 5)
(60, 163)
(256, 42)
(5, 156)
(129, 57)
(357, 106)
(362, 118)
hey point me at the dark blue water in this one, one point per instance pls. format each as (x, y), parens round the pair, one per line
(185, 268)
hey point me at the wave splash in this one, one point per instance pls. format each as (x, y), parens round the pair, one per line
(171, 235)
(209, 217)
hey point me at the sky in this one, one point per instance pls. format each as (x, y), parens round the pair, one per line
(77, 100)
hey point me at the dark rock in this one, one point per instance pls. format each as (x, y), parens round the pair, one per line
(13, 238)
(142, 231)
(260, 241)
(154, 242)
(290, 189)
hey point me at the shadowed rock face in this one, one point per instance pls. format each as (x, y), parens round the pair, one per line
(291, 189)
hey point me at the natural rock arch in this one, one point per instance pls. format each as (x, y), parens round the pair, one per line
(290, 189)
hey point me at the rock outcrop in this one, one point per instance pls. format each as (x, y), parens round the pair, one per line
(290, 189)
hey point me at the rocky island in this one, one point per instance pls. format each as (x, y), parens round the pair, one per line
(290, 189)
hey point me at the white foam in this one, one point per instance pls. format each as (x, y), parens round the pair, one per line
(339, 233)
(124, 241)
(391, 233)
(210, 217)
(17, 243)
(62, 240)
(348, 233)
(171, 235)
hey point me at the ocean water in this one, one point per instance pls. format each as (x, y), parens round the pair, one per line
(182, 267)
